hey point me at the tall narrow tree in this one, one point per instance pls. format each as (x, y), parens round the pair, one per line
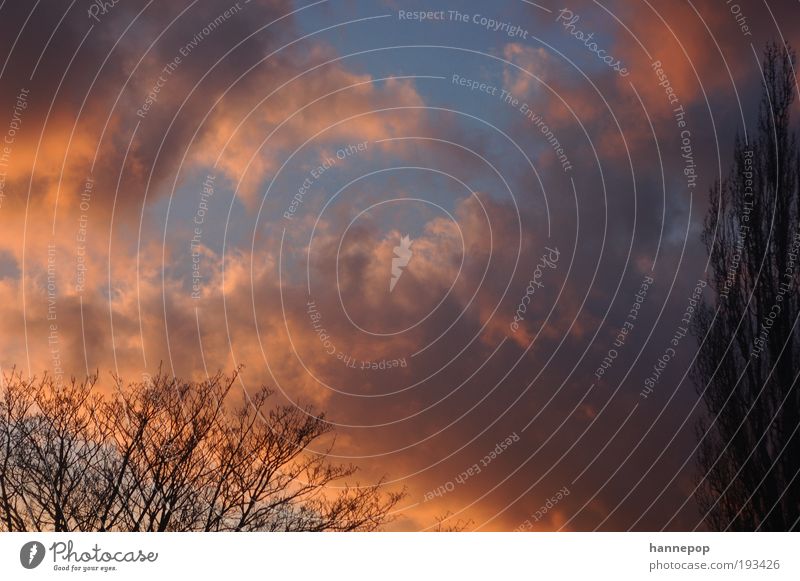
(747, 367)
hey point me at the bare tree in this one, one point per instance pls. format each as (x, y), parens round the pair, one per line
(170, 455)
(746, 369)
(458, 526)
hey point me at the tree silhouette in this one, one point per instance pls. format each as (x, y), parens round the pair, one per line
(170, 455)
(749, 357)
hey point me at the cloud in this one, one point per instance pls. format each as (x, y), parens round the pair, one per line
(422, 381)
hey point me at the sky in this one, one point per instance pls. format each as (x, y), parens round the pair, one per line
(467, 232)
